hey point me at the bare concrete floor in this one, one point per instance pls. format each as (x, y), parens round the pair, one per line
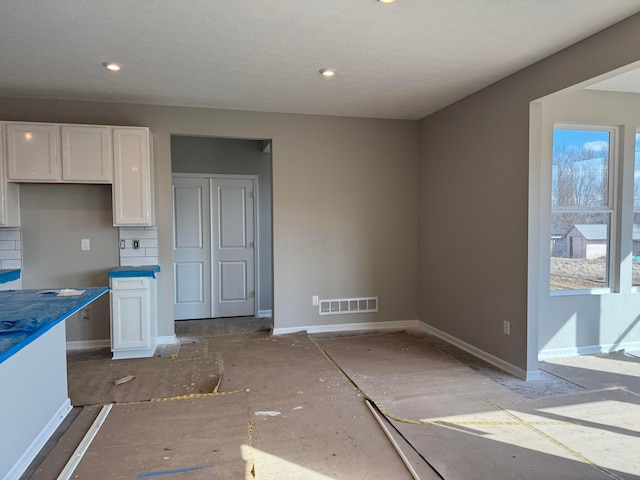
(232, 401)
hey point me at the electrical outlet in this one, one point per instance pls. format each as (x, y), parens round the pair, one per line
(123, 244)
(85, 314)
(136, 244)
(315, 300)
(506, 327)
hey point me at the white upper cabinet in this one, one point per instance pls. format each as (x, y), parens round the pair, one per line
(38, 152)
(133, 177)
(67, 153)
(32, 152)
(9, 193)
(86, 154)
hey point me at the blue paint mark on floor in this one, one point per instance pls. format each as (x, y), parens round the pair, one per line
(171, 472)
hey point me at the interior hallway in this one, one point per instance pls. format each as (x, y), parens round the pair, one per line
(232, 401)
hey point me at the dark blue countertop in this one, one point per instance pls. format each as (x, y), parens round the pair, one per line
(25, 315)
(9, 275)
(141, 271)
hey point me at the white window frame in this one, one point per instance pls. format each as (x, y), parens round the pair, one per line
(634, 288)
(611, 209)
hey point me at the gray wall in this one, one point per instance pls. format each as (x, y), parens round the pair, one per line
(234, 156)
(55, 218)
(344, 200)
(474, 180)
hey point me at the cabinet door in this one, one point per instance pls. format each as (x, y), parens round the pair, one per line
(3, 183)
(32, 152)
(130, 319)
(9, 193)
(132, 183)
(86, 154)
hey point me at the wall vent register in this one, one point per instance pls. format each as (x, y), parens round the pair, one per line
(337, 306)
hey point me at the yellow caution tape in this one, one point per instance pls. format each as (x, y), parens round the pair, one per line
(196, 395)
(252, 458)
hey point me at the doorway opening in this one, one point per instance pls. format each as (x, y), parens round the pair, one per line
(222, 228)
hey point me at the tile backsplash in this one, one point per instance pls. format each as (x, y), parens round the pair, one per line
(10, 248)
(146, 254)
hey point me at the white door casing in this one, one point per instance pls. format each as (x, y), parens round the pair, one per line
(191, 248)
(214, 246)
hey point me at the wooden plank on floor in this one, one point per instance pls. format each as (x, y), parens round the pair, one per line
(63, 445)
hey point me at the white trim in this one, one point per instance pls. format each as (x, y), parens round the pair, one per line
(416, 324)
(265, 313)
(74, 461)
(88, 344)
(582, 291)
(349, 327)
(487, 357)
(392, 439)
(167, 340)
(586, 350)
(43, 437)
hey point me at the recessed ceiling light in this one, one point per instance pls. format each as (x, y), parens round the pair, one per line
(386, 1)
(328, 72)
(114, 67)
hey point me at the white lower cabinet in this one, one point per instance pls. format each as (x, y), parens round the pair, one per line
(133, 317)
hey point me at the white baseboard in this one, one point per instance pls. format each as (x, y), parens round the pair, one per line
(487, 357)
(418, 325)
(167, 339)
(87, 344)
(265, 313)
(587, 350)
(348, 327)
(30, 453)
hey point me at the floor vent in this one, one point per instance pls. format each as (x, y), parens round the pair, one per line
(336, 306)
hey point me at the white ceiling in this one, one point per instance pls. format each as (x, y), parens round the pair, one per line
(403, 60)
(628, 82)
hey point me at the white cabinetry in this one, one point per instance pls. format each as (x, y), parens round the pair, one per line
(66, 153)
(32, 152)
(133, 317)
(39, 152)
(133, 177)
(9, 193)
(86, 154)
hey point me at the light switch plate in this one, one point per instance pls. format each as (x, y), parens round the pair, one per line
(86, 244)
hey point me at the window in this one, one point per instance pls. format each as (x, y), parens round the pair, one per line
(581, 207)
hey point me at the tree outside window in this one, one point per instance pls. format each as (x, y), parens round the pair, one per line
(582, 207)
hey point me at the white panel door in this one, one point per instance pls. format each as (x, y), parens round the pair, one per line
(232, 204)
(191, 248)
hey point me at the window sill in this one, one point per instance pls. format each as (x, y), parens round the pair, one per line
(586, 291)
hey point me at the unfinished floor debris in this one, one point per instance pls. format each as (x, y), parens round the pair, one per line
(391, 405)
